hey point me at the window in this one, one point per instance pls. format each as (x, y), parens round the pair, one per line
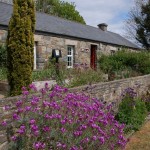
(112, 52)
(34, 55)
(70, 52)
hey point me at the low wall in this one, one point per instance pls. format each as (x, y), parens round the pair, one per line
(110, 91)
(4, 87)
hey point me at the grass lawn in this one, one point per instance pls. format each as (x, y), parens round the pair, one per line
(141, 139)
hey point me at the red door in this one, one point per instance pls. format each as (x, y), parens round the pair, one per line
(93, 56)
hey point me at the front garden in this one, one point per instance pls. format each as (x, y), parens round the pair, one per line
(59, 119)
(63, 120)
(125, 64)
(122, 64)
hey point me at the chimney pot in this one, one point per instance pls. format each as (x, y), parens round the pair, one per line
(103, 26)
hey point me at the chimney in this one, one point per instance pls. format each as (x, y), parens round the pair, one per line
(103, 26)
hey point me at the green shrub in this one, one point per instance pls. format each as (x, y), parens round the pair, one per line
(42, 75)
(51, 71)
(60, 120)
(132, 110)
(20, 45)
(3, 73)
(3, 55)
(85, 76)
(138, 62)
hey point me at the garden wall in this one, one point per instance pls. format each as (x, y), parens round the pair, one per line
(110, 91)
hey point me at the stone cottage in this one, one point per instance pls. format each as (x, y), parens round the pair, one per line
(78, 43)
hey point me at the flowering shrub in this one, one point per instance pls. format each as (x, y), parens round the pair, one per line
(132, 110)
(59, 120)
(82, 74)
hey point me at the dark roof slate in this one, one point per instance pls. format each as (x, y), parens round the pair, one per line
(51, 24)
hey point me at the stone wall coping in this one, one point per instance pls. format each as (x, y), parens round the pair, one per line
(111, 82)
(10, 99)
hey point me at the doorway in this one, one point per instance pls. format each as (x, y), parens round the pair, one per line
(93, 57)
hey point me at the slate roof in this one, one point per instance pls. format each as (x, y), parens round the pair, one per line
(55, 25)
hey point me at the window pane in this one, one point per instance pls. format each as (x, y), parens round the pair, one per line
(70, 57)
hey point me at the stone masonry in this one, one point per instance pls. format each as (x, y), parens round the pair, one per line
(82, 52)
(110, 91)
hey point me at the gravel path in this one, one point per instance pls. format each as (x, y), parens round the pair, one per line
(141, 139)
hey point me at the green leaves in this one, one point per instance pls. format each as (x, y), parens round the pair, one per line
(61, 9)
(20, 43)
(3, 56)
(132, 112)
(125, 60)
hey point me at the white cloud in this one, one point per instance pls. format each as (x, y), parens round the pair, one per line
(112, 12)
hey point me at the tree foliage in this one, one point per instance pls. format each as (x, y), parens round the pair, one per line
(3, 55)
(138, 23)
(60, 8)
(20, 44)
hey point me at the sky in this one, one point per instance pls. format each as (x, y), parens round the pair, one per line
(112, 12)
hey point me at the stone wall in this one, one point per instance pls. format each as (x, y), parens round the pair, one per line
(3, 36)
(110, 91)
(45, 43)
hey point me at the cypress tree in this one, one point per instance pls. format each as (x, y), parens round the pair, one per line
(20, 45)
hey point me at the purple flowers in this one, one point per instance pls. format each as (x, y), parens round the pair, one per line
(46, 128)
(38, 145)
(102, 140)
(15, 116)
(129, 92)
(33, 87)
(19, 103)
(14, 138)
(4, 123)
(62, 120)
(21, 130)
(63, 130)
(32, 121)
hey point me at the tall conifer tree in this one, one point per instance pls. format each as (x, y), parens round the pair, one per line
(20, 45)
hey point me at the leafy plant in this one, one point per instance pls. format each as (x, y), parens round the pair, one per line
(132, 110)
(83, 75)
(138, 63)
(61, 9)
(77, 122)
(42, 75)
(3, 73)
(3, 55)
(20, 45)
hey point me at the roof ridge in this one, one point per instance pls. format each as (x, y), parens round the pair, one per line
(62, 26)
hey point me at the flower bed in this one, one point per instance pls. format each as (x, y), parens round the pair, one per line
(63, 120)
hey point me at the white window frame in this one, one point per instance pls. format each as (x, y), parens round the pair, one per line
(70, 56)
(34, 52)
